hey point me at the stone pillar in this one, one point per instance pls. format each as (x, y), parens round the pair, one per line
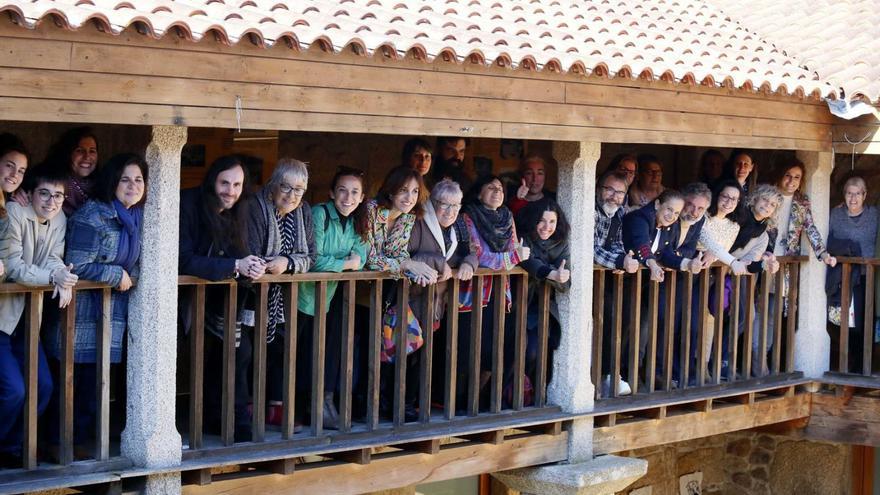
(571, 388)
(150, 438)
(812, 344)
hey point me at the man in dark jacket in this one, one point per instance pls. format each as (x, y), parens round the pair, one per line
(213, 246)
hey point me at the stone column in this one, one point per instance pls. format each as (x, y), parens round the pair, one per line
(571, 388)
(150, 438)
(812, 344)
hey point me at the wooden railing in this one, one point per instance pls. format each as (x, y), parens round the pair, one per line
(371, 284)
(623, 298)
(63, 382)
(862, 309)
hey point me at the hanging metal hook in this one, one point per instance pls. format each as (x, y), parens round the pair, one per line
(854, 144)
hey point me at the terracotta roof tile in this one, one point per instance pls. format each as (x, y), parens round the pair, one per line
(838, 40)
(721, 42)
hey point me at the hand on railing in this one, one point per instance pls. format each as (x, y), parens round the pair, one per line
(447, 273)
(419, 272)
(64, 277)
(252, 267)
(125, 282)
(630, 264)
(561, 274)
(656, 270)
(738, 268)
(465, 272)
(696, 264)
(828, 259)
(276, 265)
(64, 295)
(351, 262)
(769, 262)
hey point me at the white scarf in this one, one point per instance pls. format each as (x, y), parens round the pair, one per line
(437, 231)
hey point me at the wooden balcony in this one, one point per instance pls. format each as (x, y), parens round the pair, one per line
(496, 433)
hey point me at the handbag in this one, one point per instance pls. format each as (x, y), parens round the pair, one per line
(414, 339)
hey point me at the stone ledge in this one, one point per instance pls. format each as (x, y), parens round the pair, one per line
(603, 475)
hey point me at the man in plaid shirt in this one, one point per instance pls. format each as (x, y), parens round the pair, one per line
(608, 252)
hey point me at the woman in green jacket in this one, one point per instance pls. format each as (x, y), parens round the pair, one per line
(340, 241)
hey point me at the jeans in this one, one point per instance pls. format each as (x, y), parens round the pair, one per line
(12, 388)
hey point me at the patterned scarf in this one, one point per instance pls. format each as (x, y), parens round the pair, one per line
(495, 226)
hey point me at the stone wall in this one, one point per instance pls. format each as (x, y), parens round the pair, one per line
(747, 463)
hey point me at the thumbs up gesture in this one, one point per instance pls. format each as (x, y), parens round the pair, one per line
(523, 190)
(630, 264)
(562, 274)
(522, 251)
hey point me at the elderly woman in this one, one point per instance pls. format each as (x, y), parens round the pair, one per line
(280, 230)
(854, 232)
(545, 233)
(757, 217)
(75, 155)
(533, 175)
(490, 229)
(103, 244)
(649, 183)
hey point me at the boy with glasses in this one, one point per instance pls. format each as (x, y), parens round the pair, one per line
(32, 249)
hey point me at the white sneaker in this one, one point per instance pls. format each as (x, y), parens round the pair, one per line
(623, 387)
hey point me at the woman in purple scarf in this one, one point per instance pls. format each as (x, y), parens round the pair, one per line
(103, 245)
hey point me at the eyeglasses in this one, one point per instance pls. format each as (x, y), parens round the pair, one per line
(286, 189)
(727, 199)
(447, 206)
(46, 195)
(614, 192)
(854, 194)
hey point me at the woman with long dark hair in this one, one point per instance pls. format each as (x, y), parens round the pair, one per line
(340, 230)
(103, 244)
(75, 154)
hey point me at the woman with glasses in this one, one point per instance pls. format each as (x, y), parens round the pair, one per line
(649, 183)
(280, 230)
(854, 228)
(103, 245)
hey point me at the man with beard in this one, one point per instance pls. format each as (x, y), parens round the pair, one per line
(608, 252)
(213, 246)
(450, 162)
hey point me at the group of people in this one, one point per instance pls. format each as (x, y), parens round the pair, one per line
(726, 218)
(62, 221)
(430, 222)
(67, 219)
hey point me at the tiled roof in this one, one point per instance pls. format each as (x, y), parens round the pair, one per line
(688, 41)
(839, 40)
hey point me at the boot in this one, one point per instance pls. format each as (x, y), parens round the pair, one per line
(331, 416)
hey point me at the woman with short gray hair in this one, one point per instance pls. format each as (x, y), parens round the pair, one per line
(280, 230)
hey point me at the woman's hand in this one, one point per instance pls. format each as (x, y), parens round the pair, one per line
(277, 265)
(351, 262)
(828, 259)
(770, 263)
(21, 197)
(252, 267)
(561, 274)
(64, 294)
(420, 272)
(738, 268)
(124, 282)
(447, 273)
(465, 272)
(656, 270)
(64, 277)
(522, 252)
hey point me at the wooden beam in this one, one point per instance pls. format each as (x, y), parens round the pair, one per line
(495, 437)
(395, 470)
(677, 428)
(847, 418)
(424, 446)
(359, 456)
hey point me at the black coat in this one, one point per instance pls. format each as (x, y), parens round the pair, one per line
(198, 254)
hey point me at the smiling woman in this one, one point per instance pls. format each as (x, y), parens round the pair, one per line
(13, 164)
(75, 155)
